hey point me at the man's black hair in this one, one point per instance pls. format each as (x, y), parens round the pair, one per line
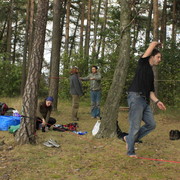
(95, 67)
(154, 52)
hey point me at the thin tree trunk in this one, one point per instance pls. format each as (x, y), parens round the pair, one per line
(9, 30)
(74, 36)
(31, 28)
(174, 25)
(96, 17)
(108, 125)
(148, 29)
(87, 40)
(56, 39)
(163, 24)
(82, 9)
(15, 40)
(24, 69)
(155, 38)
(104, 28)
(25, 134)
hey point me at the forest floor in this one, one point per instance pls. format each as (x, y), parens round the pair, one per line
(84, 157)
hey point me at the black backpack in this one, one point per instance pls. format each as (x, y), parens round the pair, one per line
(3, 108)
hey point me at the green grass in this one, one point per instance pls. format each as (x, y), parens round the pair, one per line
(87, 158)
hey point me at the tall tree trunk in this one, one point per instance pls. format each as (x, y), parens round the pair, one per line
(148, 28)
(66, 54)
(174, 25)
(15, 39)
(108, 123)
(104, 28)
(96, 17)
(155, 38)
(56, 39)
(25, 134)
(9, 30)
(87, 40)
(23, 77)
(163, 24)
(74, 37)
(31, 28)
(82, 9)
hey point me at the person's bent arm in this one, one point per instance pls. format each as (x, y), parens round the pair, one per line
(157, 101)
(150, 48)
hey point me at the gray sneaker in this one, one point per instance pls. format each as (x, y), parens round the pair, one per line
(47, 144)
(53, 143)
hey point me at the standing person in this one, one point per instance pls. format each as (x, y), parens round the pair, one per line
(76, 91)
(43, 114)
(95, 90)
(139, 95)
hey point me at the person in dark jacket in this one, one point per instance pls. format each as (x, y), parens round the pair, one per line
(76, 91)
(43, 114)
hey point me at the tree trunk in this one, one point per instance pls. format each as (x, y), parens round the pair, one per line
(23, 77)
(87, 40)
(148, 28)
(108, 123)
(74, 36)
(26, 132)
(56, 41)
(82, 9)
(15, 39)
(174, 25)
(9, 30)
(163, 24)
(31, 28)
(66, 50)
(104, 28)
(96, 17)
(155, 38)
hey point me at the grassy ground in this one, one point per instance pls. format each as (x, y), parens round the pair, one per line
(87, 158)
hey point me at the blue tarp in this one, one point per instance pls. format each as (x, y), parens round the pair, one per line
(7, 121)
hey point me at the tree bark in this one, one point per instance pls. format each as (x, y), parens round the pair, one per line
(155, 38)
(82, 9)
(148, 29)
(96, 17)
(163, 24)
(24, 69)
(108, 125)
(56, 41)
(31, 28)
(87, 40)
(9, 30)
(25, 134)
(104, 28)
(174, 24)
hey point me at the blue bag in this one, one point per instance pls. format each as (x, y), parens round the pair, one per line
(7, 121)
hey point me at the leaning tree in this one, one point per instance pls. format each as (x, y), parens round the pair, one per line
(26, 132)
(108, 123)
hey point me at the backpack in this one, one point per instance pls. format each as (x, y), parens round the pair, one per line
(3, 108)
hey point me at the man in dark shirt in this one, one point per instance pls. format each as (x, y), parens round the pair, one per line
(139, 95)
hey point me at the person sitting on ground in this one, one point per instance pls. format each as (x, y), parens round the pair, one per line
(43, 114)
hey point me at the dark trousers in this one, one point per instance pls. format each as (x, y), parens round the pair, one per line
(50, 122)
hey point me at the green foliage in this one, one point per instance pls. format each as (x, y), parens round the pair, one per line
(10, 79)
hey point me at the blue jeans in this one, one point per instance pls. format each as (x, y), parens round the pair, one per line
(139, 110)
(95, 103)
